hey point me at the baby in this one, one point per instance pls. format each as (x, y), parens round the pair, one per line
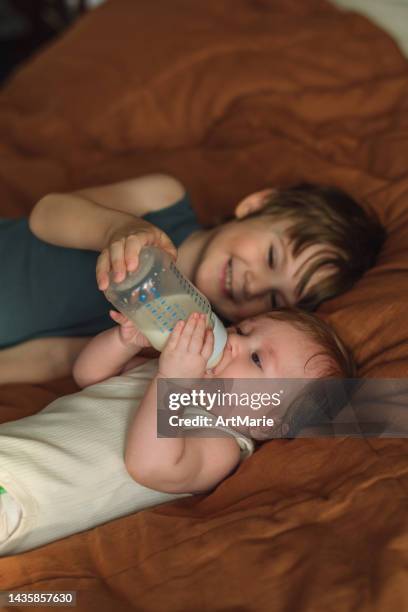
(94, 456)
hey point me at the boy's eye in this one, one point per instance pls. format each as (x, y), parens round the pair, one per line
(255, 359)
(271, 257)
(239, 330)
(274, 303)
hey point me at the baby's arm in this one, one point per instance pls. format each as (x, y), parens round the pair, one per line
(181, 464)
(108, 352)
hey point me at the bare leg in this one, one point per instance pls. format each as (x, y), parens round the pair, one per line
(39, 360)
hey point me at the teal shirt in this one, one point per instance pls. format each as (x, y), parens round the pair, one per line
(48, 290)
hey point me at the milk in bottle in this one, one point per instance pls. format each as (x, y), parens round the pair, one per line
(157, 295)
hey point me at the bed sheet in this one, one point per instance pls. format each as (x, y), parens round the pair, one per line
(271, 92)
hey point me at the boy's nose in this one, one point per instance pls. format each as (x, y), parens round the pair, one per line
(256, 284)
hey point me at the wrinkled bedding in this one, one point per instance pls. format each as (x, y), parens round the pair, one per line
(233, 97)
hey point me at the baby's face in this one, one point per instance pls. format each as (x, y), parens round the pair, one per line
(261, 347)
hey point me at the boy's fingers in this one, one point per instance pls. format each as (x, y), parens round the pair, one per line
(133, 245)
(102, 270)
(166, 244)
(117, 258)
(124, 252)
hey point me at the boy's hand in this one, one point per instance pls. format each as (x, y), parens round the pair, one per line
(128, 332)
(188, 349)
(121, 253)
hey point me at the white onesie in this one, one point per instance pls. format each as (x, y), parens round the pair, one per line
(63, 468)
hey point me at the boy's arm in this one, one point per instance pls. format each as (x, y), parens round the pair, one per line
(90, 218)
(175, 465)
(104, 356)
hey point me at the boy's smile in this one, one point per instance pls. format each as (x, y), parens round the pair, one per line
(247, 267)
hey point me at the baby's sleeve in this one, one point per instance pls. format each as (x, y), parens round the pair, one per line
(246, 445)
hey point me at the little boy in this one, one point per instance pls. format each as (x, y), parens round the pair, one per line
(63, 470)
(292, 246)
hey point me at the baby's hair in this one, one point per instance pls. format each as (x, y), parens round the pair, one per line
(337, 358)
(318, 404)
(327, 215)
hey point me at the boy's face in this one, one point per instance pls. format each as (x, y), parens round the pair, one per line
(261, 347)
(247, 267)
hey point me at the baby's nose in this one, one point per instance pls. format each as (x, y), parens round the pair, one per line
(232, 342)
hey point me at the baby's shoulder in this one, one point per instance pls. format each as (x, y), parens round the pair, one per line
(139, 365)
(135, 362)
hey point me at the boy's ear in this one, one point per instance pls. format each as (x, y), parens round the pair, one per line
(253, 203)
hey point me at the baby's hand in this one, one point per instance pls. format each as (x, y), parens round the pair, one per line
(128, 332)
(122, 251)
(188, 349)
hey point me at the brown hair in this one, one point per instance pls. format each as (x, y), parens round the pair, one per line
(328, 216)
(340, 363)
(316, 405)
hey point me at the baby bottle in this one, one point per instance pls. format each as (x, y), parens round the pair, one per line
(156, 295)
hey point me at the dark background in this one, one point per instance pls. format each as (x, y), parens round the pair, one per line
(27, 25)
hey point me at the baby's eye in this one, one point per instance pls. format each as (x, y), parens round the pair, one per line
(256, 359)
(239, 331)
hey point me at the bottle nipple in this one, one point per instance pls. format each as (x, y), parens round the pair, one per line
(220, 341)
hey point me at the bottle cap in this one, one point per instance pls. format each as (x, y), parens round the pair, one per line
(220, 340)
